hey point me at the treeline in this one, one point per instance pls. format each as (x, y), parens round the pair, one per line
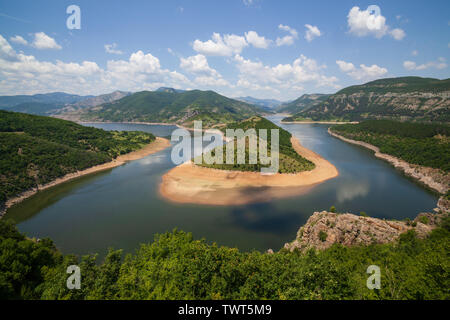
(423, 144)
(289, 160)
(36, 150)
(176, 266)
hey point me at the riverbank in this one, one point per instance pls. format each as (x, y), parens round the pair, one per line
(319, 122)
(189, 183)
(158, 145)
(430, 177)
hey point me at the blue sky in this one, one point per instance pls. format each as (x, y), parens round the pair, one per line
(262, 48)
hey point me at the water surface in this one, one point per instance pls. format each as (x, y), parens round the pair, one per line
(121, 207)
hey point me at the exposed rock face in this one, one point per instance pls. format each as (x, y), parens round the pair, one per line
(404, 106)
(323, 229)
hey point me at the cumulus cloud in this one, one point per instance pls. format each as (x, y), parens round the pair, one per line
(286, 78)
(24, 74)
(439, 64)
(19, 40)
(257, 41)
(205, 75)
(363, 72)
(6, 51)
(311, 32)
(111, 48)
(43, 41)
(227, 45)
(370, 22)
(397, 34)
(288, 39)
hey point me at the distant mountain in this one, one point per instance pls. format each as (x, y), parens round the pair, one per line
(60, 98)
(268, 104)
(405, 98)
(169, 107)
(101, 99)
(305, 102)
(55, 103)
(171, 90)
(36, 108)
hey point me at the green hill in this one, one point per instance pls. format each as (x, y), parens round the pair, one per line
(36, 150)
(305, 102)
(289, 160)
(171, 107)
(405, 98)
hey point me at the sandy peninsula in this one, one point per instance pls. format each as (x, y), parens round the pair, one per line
(153, 147)
(189, 183)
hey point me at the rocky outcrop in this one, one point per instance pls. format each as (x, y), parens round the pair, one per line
(389, 105)
(324, 229)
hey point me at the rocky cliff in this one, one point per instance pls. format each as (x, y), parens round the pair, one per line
(407, 98)
(323, 229)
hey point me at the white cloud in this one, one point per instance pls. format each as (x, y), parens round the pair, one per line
(6, 51)
(286, 78)
(248, 3)
(370, 22)
(397, 34)
(289, 39)
(227, 45)
(19, 40)
(311, 32)
(111, 48)
(43, 41)
(257, 41)
(24, 74)
(205, 75)
(363, 72)
(439, 64)
(415, 53)
(198, 65)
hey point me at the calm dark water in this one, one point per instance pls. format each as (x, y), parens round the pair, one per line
(121, 207)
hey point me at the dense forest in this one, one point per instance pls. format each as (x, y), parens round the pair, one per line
(423, 144)
(177, 266)
(289, 160)
(36, 150)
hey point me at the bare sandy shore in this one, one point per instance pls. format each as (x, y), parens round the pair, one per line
(156, 146)
(189, 183)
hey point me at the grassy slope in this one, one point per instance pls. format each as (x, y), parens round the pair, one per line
(422, 144)
(290, 161)
(37, 150)
(180, 107)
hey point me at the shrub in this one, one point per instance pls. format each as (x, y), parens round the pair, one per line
(323, 236)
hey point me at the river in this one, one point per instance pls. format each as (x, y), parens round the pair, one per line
(121, 207)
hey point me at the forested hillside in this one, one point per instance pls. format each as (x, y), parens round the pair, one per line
(176, 266)
(289, 160)
(423, 144)
(170, 106)
(36, 150)
(406, 98)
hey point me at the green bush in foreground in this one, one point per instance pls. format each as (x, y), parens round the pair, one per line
(176, 266)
